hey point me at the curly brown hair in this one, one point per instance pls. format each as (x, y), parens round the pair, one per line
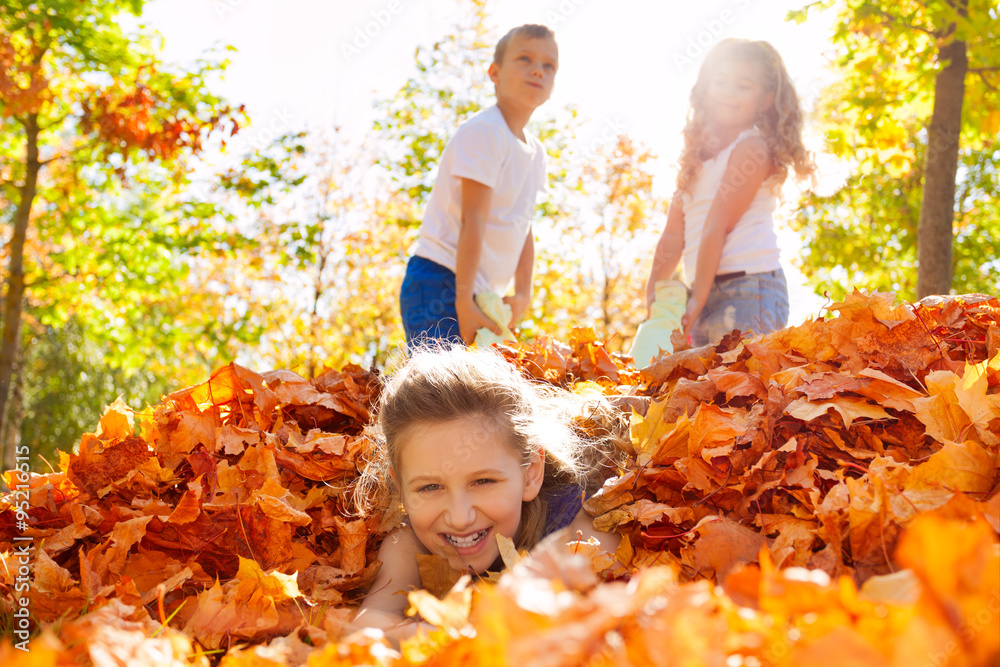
(780, 124)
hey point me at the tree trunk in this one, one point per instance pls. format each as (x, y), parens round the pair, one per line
(11, 435)
(937, 210)
(10, 340)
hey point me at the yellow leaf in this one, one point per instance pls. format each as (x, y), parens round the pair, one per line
(117, 421)
(848, 407)
(963, 467)
(450, 613)
(508, 552)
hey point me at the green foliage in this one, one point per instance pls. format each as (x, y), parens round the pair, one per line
(70, 383)
(322, 281)
(450, 86)
(111, 239)
(875, 118)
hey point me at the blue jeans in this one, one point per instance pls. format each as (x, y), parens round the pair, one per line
(757, 302)
(427, 303)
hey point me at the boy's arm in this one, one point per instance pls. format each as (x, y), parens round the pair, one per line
(476, 199)
(521, 298)
(749, 164)
(669, 250)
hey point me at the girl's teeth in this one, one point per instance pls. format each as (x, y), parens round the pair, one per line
(466, 541)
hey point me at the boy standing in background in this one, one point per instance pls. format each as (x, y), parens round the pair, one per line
(476, 232)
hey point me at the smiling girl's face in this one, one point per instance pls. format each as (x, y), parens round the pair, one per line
(736, 94)
(462, 484)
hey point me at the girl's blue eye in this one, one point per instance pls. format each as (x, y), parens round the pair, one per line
(428, 487)
(485, 481)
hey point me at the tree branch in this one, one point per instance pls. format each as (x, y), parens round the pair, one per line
(57, 121)
(890, 19)
(982, 76)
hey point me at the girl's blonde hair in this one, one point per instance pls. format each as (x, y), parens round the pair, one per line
(577, 435)
(780, 125)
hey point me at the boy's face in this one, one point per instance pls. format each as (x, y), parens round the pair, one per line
(528, 71)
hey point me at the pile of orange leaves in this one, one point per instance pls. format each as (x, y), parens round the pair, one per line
(826, 494)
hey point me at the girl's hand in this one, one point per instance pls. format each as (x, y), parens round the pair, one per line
(691, 315)
(518, 305)
(650, 296)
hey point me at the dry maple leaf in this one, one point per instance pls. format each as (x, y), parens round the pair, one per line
(852, 445)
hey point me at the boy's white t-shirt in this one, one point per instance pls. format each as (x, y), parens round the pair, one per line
(752, 245)
(485, 150)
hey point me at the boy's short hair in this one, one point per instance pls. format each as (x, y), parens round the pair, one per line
(529, 30)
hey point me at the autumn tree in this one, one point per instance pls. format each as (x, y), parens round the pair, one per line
(95, 133)
(614, 220)
(915, 113)
(449, 87)
(322, 280)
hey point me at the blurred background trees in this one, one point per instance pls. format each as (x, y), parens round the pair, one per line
(915, 114)
(95, 135)
(130, 267)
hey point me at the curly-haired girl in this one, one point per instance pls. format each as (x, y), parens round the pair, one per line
(744, 132)
(473, 449)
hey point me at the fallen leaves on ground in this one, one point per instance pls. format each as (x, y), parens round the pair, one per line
(825, 494)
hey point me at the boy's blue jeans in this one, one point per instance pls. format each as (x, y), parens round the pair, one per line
(427, 303)
(757, 302)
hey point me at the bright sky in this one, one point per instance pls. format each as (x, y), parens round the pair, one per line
(627, 64)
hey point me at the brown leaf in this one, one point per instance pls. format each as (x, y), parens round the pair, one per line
(436, 575)
(99, 464)
(713, 432)
(718, 544)
(353, 537)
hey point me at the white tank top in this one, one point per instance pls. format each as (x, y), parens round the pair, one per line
(752, 245)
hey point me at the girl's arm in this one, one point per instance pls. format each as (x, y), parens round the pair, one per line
(749, 165)
(668, 250)
(546, 559)
(385, 605)
(476, 199)
(584, 524)
(581, 527)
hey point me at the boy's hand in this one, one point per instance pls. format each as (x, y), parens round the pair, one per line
(518, 305)
(471, 319)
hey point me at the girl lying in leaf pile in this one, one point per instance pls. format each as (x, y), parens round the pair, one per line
(474, 450)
